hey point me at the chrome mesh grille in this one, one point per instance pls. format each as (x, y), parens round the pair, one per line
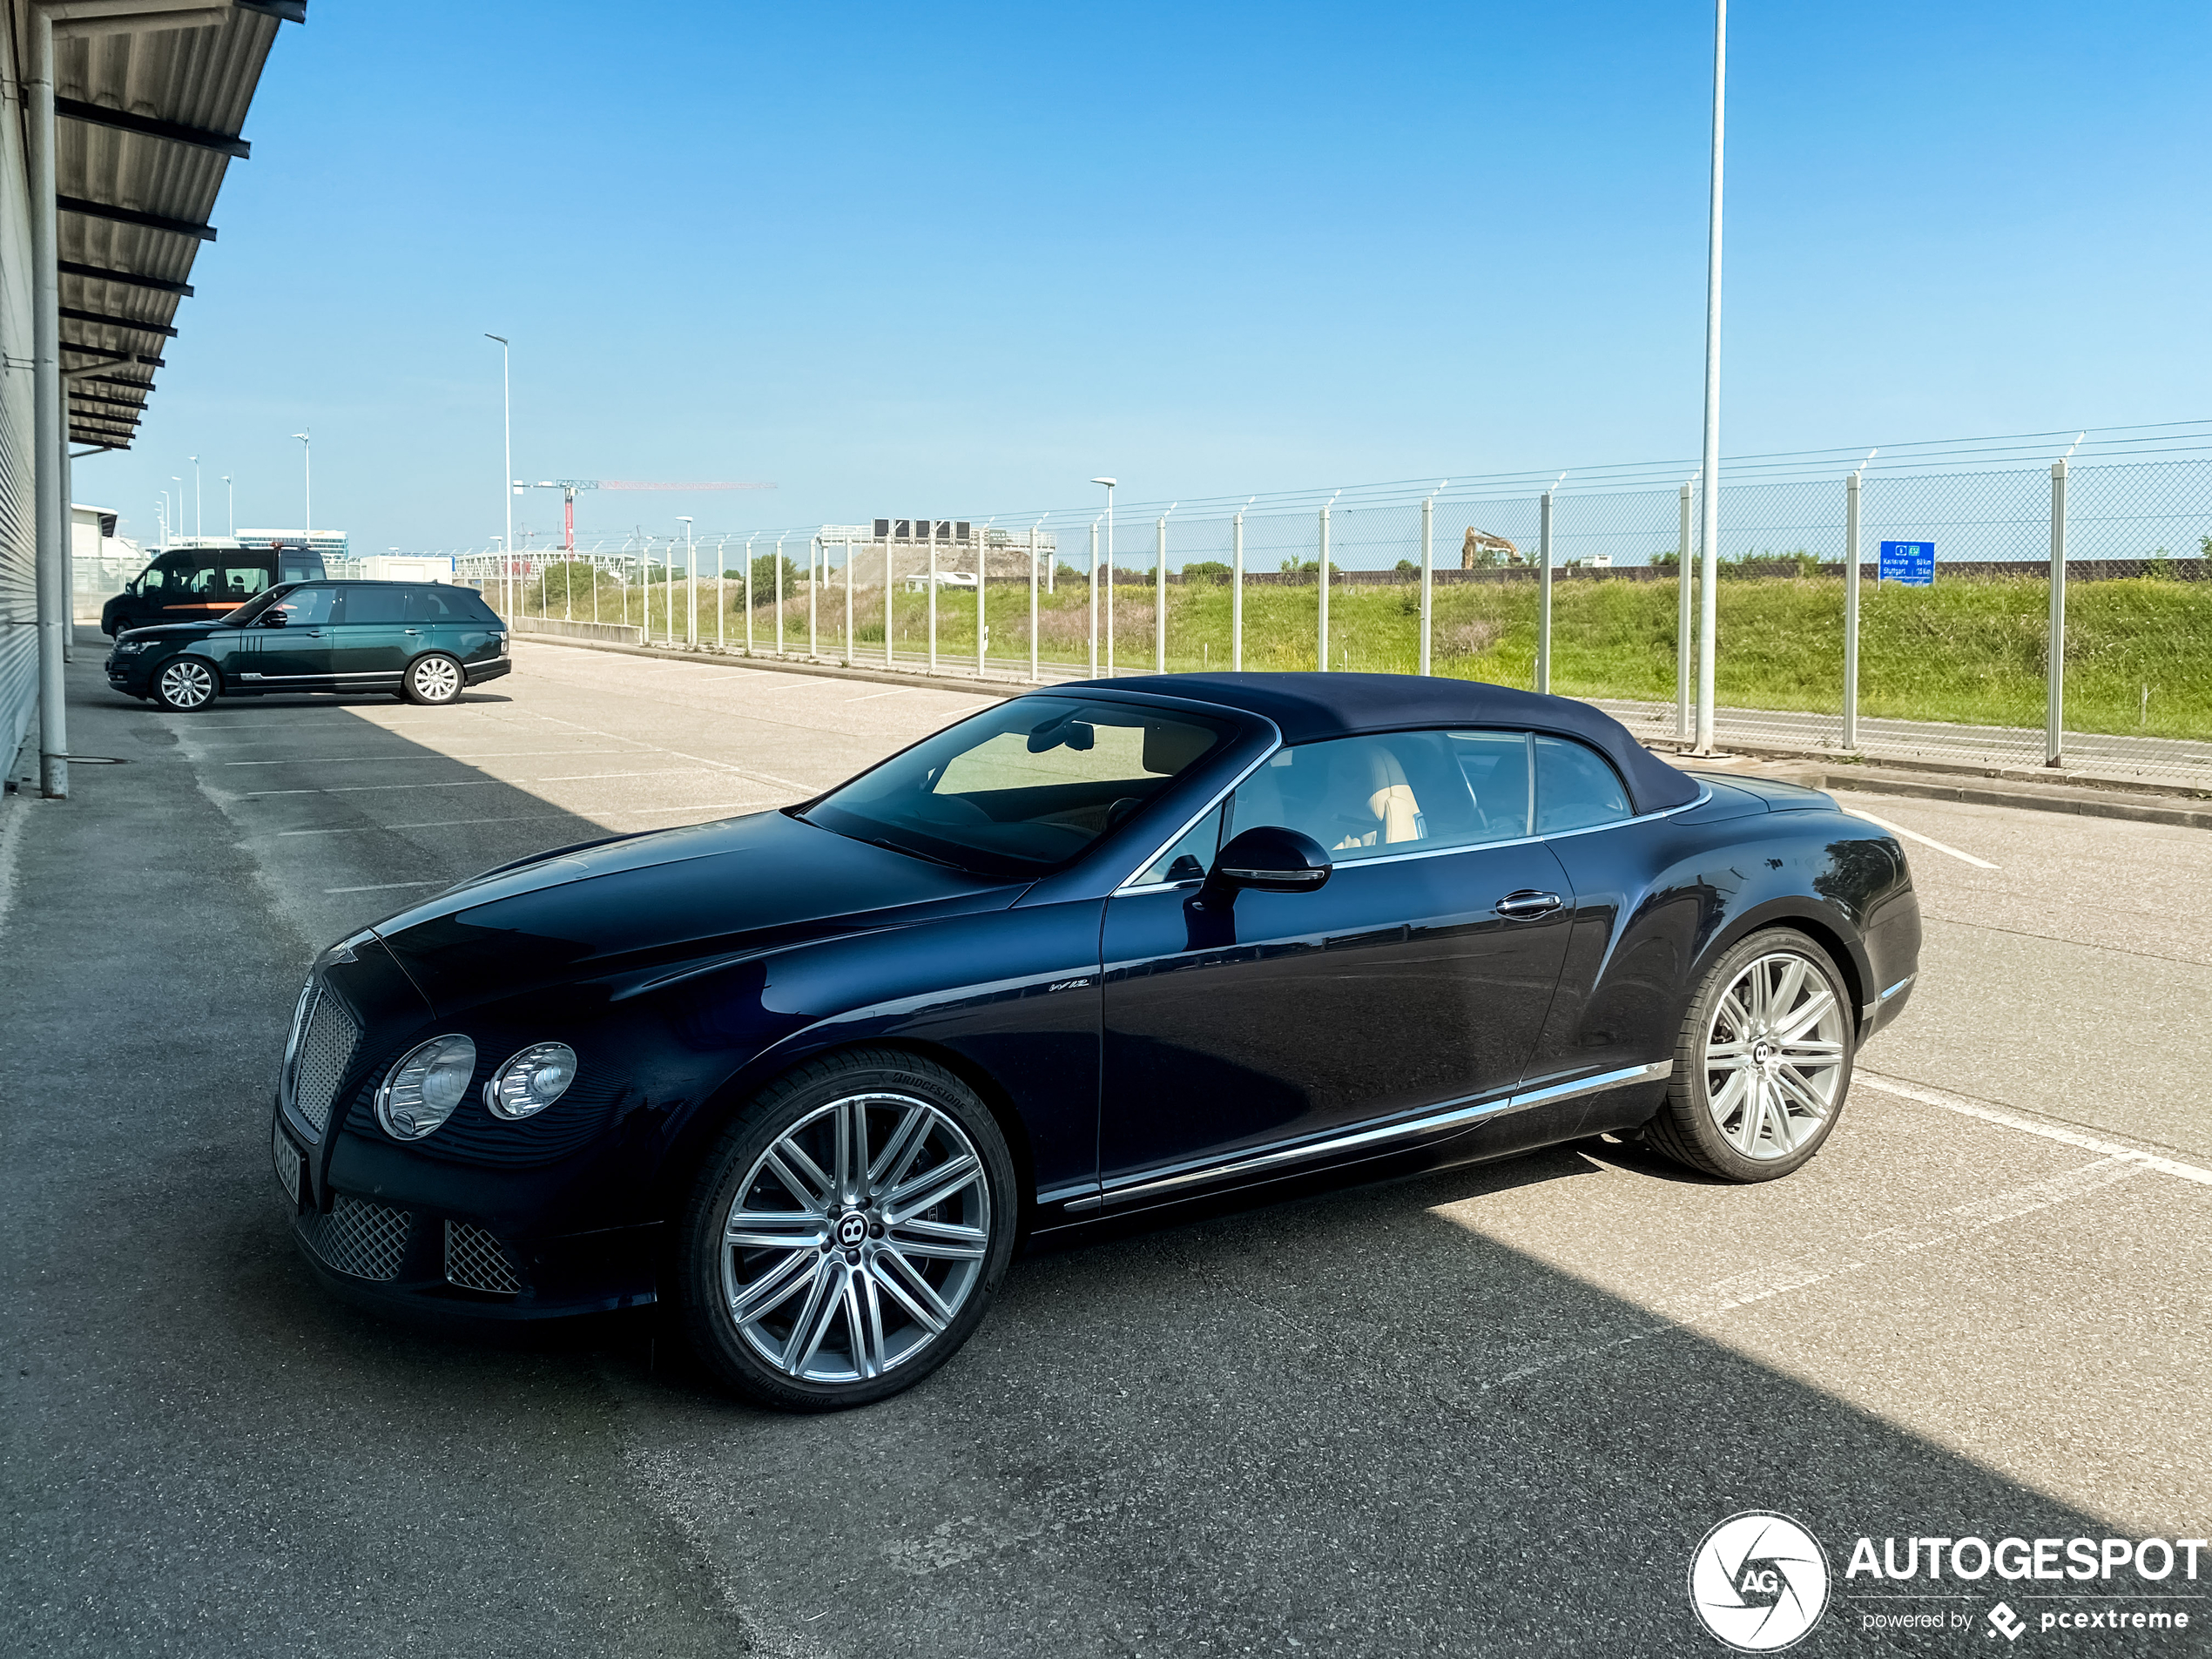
(474, 1261)
(359, 1239)
(325, 1050)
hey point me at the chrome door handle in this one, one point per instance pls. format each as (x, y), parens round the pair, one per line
(1527, 905)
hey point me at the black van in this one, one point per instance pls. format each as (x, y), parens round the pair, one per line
(199, 584)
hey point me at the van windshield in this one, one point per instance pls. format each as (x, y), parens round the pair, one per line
(1023, 789)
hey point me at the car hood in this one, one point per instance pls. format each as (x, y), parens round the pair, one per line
(629, 912)
(177, 633)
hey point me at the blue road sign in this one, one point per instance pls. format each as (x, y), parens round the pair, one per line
(1911, 563)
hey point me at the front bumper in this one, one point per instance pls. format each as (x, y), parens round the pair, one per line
(448, 1263)
(132, 675)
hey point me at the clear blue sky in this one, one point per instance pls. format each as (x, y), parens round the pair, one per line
(959, 259)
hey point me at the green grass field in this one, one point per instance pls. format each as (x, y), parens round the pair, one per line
(2138, 651)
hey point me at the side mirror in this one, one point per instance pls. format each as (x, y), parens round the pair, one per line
(1270, 859)
(271, 619)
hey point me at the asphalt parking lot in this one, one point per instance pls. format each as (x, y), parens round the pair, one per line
(1491, 1410)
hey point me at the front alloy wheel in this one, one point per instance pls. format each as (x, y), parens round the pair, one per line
(184, 684)
(433, 679)
(850, 1232)
(1763, 1061)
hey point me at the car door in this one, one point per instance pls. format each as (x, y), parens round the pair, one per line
(182, 587)
(289, 644)
(1398, 985)
(371, 640)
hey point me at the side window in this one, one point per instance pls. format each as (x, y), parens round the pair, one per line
(1190, 857)
(437, 605)
(1495, 765)
(376, 607)
(242, 578)
(1365, 797)
(199, 580)
(1576, 788)
(303, 607)
(154, 580)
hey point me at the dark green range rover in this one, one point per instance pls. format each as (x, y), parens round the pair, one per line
(424, 641)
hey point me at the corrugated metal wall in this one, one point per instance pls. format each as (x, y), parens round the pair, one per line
(18, 520)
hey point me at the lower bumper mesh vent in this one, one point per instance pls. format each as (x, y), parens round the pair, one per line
(359, 1239)
(476, 1261)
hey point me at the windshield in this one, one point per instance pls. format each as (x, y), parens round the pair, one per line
(1023, 789)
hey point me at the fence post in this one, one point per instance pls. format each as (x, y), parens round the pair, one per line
(1093, 600)
(813, 592)
(780, 595)
(982, 576)
(933, 595)
(1033, 605)
(748, 595)
(1160, 599)
(1237, 601)
(1109, 596)
(691, 592)
(1851, 612)
(2054, 722)
(721, 589)
(1683, 588)
(1544, 595)
(1321, 569)
(1428, 573)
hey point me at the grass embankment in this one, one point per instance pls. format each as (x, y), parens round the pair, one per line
(1966, 651)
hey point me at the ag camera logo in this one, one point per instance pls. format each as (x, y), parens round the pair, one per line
(1759, 1582)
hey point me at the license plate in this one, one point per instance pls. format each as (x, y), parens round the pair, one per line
(287, 1164)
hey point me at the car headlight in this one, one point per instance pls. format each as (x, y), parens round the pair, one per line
(532, 1081)
(420, 1093)
(131, 647)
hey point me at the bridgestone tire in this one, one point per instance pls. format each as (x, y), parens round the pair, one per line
(869, 1283)
(1765, 1128)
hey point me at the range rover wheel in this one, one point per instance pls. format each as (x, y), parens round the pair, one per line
(1763, 1062)
(434, 679)
(185, 684)
(847, 1233)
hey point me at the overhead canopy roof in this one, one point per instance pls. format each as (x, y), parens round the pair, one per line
(147, 122)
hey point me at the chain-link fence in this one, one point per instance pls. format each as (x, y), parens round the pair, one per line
(1574, 592)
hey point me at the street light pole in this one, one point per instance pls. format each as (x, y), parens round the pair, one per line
(232, 490)
(198, 519)
(506, 478)
(1109, 484)
(307, 462)
(1708, 523)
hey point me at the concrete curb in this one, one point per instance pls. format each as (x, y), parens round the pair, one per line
(2086, 800)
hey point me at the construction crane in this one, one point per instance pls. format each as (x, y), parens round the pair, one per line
(567, 487)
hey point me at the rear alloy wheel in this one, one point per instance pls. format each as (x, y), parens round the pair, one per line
(848, 1233)
(185, 684)
(1763, 1064)
(433, 679)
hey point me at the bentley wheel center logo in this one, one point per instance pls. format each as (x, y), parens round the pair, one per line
(1759, 1582)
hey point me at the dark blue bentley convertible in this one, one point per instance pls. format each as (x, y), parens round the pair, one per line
(809, 1075)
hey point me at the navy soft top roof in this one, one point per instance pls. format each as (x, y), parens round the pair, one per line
(1307, 706)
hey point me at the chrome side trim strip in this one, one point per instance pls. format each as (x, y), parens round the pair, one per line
(1900, 986)
(1456, 1115)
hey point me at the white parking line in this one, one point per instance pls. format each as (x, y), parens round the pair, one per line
(388, 887)
(1924, 841)
(1966, 1107)
(497, 754)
